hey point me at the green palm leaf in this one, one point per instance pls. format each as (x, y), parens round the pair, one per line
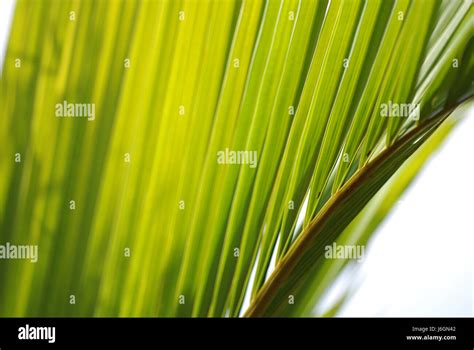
(134, 214)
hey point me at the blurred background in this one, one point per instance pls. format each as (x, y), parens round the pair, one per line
(435, 275)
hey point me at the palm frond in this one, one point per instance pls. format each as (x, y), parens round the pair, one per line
(134, 214)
